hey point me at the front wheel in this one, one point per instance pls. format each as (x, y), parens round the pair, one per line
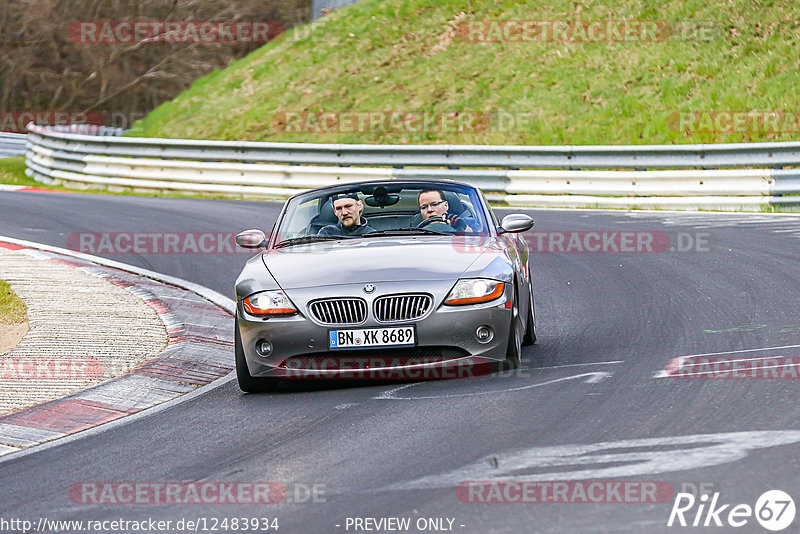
(247, 383)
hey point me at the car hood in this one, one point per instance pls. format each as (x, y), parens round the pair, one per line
(374, 260)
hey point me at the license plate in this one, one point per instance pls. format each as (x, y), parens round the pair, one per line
(402, 336)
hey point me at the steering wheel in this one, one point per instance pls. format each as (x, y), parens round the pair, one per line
(436, 220)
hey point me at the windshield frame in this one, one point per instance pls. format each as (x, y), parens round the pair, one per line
(473, 192)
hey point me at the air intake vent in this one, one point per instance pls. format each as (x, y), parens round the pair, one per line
(393, 308)
(339, 311)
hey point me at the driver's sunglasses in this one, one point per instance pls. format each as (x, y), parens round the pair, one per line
(431, 205)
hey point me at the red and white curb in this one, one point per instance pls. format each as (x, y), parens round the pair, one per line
(82, 330)
(199, 351)
(28, 189)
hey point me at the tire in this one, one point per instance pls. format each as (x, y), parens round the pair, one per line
(247, 383)
(530, 323)
(514, 349)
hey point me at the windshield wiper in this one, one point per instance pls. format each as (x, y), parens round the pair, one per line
(310, 239)
(404, 231)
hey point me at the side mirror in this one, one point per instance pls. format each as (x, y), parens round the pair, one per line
(515, 223)
(251, 239)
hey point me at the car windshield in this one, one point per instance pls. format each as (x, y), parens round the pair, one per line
(370, 210)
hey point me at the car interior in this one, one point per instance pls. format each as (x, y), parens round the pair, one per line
(387, 209)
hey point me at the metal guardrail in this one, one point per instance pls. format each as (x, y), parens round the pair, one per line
(278, 170)
(95, 130)
(718, 156)
(11, 144)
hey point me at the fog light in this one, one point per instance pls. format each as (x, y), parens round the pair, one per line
(484, 334)
(263, 347)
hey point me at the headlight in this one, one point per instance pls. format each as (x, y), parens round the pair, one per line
(269, 303)
(474, 291)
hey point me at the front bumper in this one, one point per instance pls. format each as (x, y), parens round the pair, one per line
(446, 345)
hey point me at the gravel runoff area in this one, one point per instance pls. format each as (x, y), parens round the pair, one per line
(103, 343)
(82, 331)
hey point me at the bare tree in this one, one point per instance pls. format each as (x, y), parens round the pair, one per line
(47, 64)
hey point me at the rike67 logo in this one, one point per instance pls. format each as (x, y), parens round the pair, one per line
(774, 510)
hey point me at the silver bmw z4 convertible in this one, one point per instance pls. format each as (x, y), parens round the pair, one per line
(384, 280)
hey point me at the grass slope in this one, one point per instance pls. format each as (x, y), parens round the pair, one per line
(382, 55)
(12, 172)
(12, 308)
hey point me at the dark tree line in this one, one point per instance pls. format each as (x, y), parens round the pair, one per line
(47, 64)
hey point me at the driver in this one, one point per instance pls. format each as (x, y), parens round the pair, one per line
(432, 205)
(348, 210)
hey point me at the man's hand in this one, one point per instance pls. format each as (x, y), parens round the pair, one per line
(456, 222)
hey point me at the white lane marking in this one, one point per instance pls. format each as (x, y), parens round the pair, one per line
(593, 378)
(511, 373)
(598, 377)
(684, 453)
(740, 351)
(389, 393)
(574, 365)
(663, 372)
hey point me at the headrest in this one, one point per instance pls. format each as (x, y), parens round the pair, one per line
(326, 214)
(454, 203)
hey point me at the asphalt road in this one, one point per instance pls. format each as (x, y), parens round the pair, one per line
(588, 403)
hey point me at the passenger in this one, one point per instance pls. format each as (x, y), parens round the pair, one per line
(432, 204)
(348, 210)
